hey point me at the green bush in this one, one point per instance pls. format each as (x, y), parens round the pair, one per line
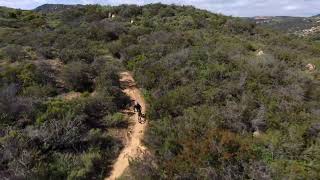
(77, 76)
(39, 91)
(14, 53)
(55, 109)
(42, 136)
(116, 120)
(88, 162)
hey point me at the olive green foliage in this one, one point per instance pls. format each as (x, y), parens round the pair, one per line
(208, 90)
(43, 58)
(78, 76)
(14, 52)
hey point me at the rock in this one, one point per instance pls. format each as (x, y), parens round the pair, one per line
(260, 53)
(257, 134)
(110, 15)
(311, 67)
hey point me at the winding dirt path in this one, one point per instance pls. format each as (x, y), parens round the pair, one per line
(134, 148)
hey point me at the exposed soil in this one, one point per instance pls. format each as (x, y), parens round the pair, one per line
(134, 147)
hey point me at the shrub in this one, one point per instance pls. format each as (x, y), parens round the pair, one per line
(64, 133)
(48, 53)
(68, 55)
(14, 53)
(27, 75)
(96, 108)
(39, 91)
(129, 11)
(106, 30)
(116, 120)
(88, 165)
(54, 109)
(14, 107)
(77, 76)
(12, 15)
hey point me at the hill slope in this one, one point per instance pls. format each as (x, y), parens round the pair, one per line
(212, 82)
(302, 26)
(51, 8)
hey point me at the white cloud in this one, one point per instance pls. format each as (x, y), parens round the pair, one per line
(23, 4)
(290, 7)
(229, 7)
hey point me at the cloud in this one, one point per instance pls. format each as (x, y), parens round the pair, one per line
(290, 7)
(24, 4)
(228, 7)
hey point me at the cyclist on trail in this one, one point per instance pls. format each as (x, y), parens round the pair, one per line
(141, 117)
(137, 108)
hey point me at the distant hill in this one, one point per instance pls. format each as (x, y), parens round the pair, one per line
(50, 8)
(4, 8)
(284, 23)
(304, 26)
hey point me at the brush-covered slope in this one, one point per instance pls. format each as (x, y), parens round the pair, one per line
(60, 97)
(308, 27)
(54, 8)
(211, 82)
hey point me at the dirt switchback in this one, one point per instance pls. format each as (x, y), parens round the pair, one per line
(134, 147)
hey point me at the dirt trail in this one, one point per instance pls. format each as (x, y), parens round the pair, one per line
(134, 148)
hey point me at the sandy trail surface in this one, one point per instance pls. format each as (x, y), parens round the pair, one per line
(134, 147)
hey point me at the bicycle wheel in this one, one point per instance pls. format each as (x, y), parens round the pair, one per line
(139, 119)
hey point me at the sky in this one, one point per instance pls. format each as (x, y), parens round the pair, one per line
(244, 8)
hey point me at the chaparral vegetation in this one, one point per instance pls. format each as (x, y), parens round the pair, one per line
(227, 99)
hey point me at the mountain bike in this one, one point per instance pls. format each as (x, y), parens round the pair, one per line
(141, 118)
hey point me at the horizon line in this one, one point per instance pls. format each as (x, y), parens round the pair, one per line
(172, 4)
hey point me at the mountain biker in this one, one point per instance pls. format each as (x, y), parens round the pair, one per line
(137, 108)
(141, 117)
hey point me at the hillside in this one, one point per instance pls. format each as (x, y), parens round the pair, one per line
(228, 99)
(54, 8)
(301, 26)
